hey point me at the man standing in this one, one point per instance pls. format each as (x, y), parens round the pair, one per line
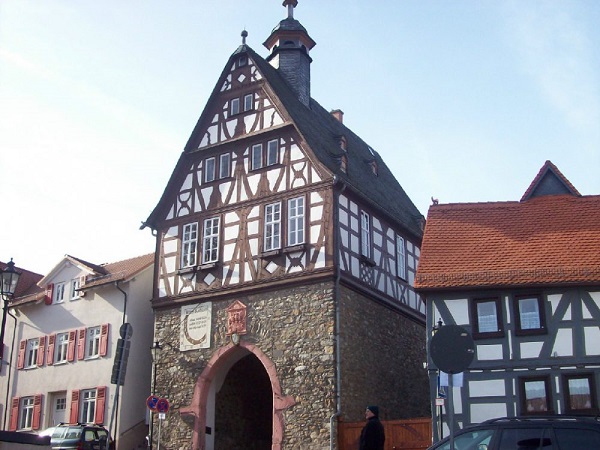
(372, 435)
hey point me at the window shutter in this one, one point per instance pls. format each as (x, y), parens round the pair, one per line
(21, 358)
(74, 417)
(41, 352)
(37, 412)
(49, 293)
(50, 350)
(71, 347)
(14, 414)
(81, 345)
(81, 283)
(104, 339)
(100, 404)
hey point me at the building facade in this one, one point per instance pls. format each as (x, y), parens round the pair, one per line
(63, 341)
(285, 262)
(523, 278)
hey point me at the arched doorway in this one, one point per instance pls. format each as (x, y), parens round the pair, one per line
(244, 408)
(223, 371)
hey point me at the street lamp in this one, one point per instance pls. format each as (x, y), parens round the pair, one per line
(8, 285)
(155, 349)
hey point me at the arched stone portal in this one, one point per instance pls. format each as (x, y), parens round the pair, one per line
(202, 408)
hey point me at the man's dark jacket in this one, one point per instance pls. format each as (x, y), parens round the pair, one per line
(372, 436)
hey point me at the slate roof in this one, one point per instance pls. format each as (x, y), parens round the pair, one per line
(546, 240)
(322, 132)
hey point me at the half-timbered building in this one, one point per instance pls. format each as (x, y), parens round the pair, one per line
(285, 260)
(523, 277)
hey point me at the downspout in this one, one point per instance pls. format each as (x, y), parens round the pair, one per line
(117, 386)
(336, 299)
(9, 370)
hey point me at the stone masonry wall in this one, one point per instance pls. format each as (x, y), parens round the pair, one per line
(294, 327)
(382, 360)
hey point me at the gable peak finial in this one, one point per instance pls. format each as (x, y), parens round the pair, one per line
(244, 36)
(291, 4)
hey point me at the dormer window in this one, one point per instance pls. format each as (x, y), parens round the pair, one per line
(374, 167)
(242, 61)
(59, 293)
(344, 163)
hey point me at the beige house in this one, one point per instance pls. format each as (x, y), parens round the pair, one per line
(61, 343)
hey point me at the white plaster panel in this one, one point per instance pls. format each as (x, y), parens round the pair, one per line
(162, 290)
(481, 412)
(249, 121)
(230, 127)
(596, 297)
(314, 232)
(376, 224)
(459, 309)
(354, 207)
(554, 299)
(320, 261)
(563, 344)
(417, 252)
(487, 388)
(235, 274)
(343, 216)
(377, 256)
(254, 213)
(315, 176)
(187, 183)
(213, 131)
(197, 203)
(170, 246)
(224, 188)
(411, 262)
(489, 352)
(172, 232)
(204, 141)
(354, 243)
(170, 264)
(206, 193)
(354, 223)
(252, 227)
(272, 176)
(231, 232)
(253, 183)
(592, 340)
(377, 239)
(390, 247)
(410, 247)
(295, 153)
(267, 102)
(171, 213)
(530, 349)
(354, 266)
(228, 251)
(253, 244)
(186, 288)
(344, 238)
(343, 200)
(315, 197)
(585, 312)
(231, 218)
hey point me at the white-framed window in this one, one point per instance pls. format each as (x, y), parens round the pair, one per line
(210, 240)
(225, 165)
(234, 106)
(60, 404)
(248, 102)
(209, 170)
(189, 244)
(92, 343)
(26, 413)
(272, 152)
(401, 257)
(60, 348)
(59, 292)
(88, 406)
(296, 221)
(257, 157)
(272, 226)
(75, 283)
(31, 353)
(365, 234)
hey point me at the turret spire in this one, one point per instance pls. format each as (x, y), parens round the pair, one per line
(291, 4)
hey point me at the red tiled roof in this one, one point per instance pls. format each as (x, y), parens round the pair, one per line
(119, 271)
(27, 283)
(546, 240)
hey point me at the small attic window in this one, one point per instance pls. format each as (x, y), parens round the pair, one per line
(344, 163)
(242, 61)
(374, 167)
(343, 142)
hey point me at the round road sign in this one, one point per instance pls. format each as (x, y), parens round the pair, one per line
(452, 349)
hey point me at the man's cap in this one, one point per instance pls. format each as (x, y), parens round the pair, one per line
(374, 410)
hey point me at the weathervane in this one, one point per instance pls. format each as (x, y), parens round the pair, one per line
(291, 4)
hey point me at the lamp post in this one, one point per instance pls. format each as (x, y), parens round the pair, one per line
(155, 349)
(8, 285)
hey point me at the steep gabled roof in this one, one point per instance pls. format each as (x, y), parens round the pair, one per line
(546, 240)
(322, 132)
(27, 284)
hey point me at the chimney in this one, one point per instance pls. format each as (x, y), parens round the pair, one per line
(338, 114)
(289, 44)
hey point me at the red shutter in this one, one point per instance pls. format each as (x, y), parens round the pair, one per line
(49, 294)
(104, 339)
(14, 414)
(41, 351)
(37, 412)
(81, 344)
(21, 359)
(71, 347)
(100, 404)
(50, 350)
(74, 417)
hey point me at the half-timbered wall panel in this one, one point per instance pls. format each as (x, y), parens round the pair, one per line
(380, 270)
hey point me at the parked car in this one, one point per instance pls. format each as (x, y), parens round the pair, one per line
(528, 433)
(81, 436)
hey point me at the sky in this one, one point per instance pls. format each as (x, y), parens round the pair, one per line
(465, 100)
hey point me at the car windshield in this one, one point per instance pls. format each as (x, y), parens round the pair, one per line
(470, 440)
